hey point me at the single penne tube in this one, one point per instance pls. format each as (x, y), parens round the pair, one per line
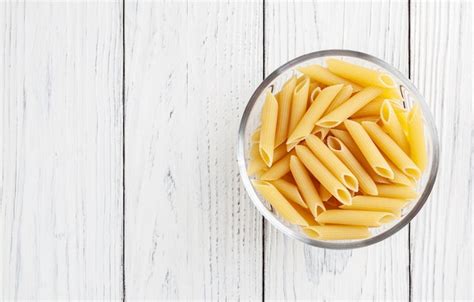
(306, 186)
(391, 125)
(332, 163)
(255, 165)
(314, 113)
(375, 203)
(324, 193)
(290, 191)
(359, 74)
(278, 169)
(336, 232)
(346, 138)
(353, 217)
(397, 191)
(385, 143)
(268, 130)
(343, 95)
(288, 211)
(284, 108)
(342, 152)
(313, 94)
(323, 75)
(416, 137)
(299, 103)
(391, 93)
(402, 116)
(279, 153)
(399, 176)
(349, 107)
(371, 109)
(323, 175)
(369, 149)
(320, 132)
(255, 136)
(254, 151)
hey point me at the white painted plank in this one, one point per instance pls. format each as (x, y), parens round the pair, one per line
(441, 237)
(191, 232)
(292, 270)
(60, 138)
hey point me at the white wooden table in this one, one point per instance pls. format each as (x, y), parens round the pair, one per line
(118, 134)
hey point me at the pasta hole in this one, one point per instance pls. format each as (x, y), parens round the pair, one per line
(334, 143)
(387, 80)
(413, 172)
(387, 173)
(311, 233)
(343, 196)
(385, 112)
(265, 158)
(328, 124)
(351, 182)
(387, 218)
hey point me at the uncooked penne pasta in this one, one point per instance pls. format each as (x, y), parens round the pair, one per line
(278, 169)
(399, 177)
(340, 98)
(369, 149)
(359, 74)
(346, 138)
(313, 94)
(391, 150)
(299, 103)
(391, 125)
(320, 132)
(402, 116)
(324, 193)
(349, 107)
(279, 153)
(288, 211)
(337, 232)
(375, 203)
(306, 186)
(322, 174)
(268, 130)
(290, 191)
(332, 163)
(314, 113)
(255, 136)
(322, 75)
(397, 191)
(255, 165)
(416, 137)
(374, 119)
(284, 108)
(371, 109)
(365, 181)
(352, 217)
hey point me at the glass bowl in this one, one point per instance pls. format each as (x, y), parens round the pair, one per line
(251, 118)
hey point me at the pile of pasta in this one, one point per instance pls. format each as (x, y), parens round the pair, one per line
(336, 152)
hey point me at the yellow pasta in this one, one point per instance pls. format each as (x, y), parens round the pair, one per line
(391, 125)
(320, 132)
(374, 119)
(402, 116)
(416, 137)
(322, 174)
(365, 181)
(254, 152)
(360, 75)
(322, 75)
(279, 153)
(255, 136)
(374, 203)
(349, 107)
(299, 103)
(371, 109)
(346, 138)
(392, 150)
(279, 169)
(369, 150)
(287, 210)
(340, 98)
(268, 130)
(290, 191)
(324, 193)
(332, 163)
(397, 191)
(352, 217)
(337, 232)
(399, 177)
(284, 108)
(306, 186)
(313, 94)
(255, 165)
(314, 113)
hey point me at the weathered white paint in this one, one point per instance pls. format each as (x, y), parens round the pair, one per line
(191, 231)
(441, 235)
(60, 138)
(296, 271)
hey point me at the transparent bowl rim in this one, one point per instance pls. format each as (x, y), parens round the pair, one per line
(297, 235)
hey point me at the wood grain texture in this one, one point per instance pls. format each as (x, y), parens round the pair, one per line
(60, 138)
(191, 231)
(294, 271)
(441, 237)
